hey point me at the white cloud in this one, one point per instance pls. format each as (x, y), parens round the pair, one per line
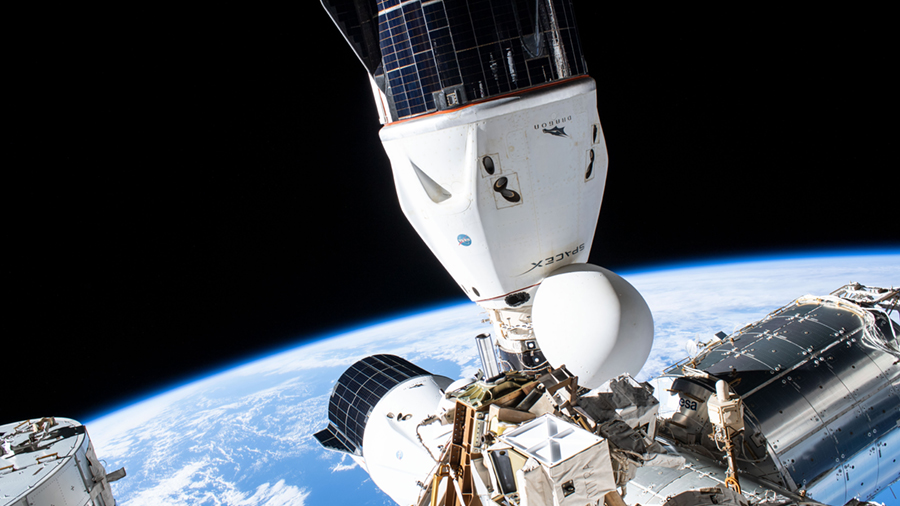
(199, 482)
(340, 466)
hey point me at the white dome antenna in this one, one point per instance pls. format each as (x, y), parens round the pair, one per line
(592, 321)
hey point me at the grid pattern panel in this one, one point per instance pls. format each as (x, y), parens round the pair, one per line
(355, 395)
(490, 47)
(408, 59)
(441, 43)
(334, 439)
(358, 21)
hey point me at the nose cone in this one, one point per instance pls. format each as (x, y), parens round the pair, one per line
(592, 321)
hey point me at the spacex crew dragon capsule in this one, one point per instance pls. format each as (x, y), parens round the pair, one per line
(499, 161)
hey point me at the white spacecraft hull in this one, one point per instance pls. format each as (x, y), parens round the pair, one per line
(542, 142)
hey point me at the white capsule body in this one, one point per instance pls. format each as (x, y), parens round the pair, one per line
(399, 449)
(504, 191)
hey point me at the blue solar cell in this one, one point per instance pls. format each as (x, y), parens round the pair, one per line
(490, 47)
(396, 23)
(396, 83)
(425, 64)
(356, 393)
(434, 15)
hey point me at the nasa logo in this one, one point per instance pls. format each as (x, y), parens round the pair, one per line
(464, 240)
(399, 455)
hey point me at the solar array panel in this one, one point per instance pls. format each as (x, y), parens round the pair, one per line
(358, 21)
(438, 54)
(355, 395)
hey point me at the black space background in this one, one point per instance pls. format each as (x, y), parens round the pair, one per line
(184, 190)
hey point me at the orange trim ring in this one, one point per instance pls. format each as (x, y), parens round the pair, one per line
(483, 100)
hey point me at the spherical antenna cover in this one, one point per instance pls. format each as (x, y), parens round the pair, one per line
(592, 321)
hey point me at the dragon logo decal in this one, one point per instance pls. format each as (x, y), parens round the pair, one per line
(557, 131)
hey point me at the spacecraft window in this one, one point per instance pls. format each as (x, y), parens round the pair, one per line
(500, 187)
(488, 164)
(590, 167)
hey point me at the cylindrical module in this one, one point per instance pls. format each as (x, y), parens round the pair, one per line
(804, 375)
(382, 413)
(485, 346)
(51, 461)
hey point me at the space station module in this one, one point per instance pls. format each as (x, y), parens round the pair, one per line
(499, 162)
(799, 408)
(51, 461)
